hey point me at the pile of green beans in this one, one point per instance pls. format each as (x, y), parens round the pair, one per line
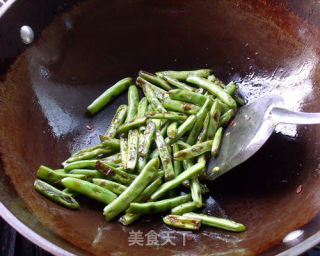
(153, 155)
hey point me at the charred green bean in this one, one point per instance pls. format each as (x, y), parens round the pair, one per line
(172, 130)
(226, 117)
(89, 189)
(80, 164)
(182, 222)
(147, 139)
(133, 142)
(55, 194)
(217, 222)
(159, 92)
(155, 79)
(203, 133)
(152, 99)
(133, 101)
(169, 115)
(216, 142)
(164, 156)
(182, 75)
(114, 187)
(188, 96)
(117, 120)
(180, 106)
(132, 192)
(177, 180)
(124, 150)
(183, 128)
(184, 208)
(158, 206)
(135, 123)
(201, 115)
(214, 120)
(178, 84)
(53, 177)
(110, 171)
(213, 88)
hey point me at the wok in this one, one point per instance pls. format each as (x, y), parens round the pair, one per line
(83, 47)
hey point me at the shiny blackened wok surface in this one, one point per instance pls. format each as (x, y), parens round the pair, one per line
(265, 46)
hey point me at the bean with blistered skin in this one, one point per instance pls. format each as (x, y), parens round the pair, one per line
(182, 75)
(159, 92)
(89, 189)
(155, 79)
(176, 164)
(55, 194)
(164, 156)
(204, 130)
(147, 139)
(135, 123)
(169, 115)
(231, 88)
(188, 96)
(177, 180)
(217, 222)
(239, 100)
(142, 107)
(213, 88)
(132, 192)
(53, 177)
(215, 113)
(182, 144)
(196, 190)
(124, 150)
(129, 217)
(184, 208)
(164, 129)
(80, 164)
(111, 143)
(117, 120)
(178, 84)
(91, 154)
(180, 106)
(172, 130)
(152, 99)
(90, 174)
(133, 101)
(158, 206)
(182, 222)
(111, 172)
(194, 184)
(226, 117)
(114, 187)
(201, 115)
(182, 129)
(133, 142)
(216, 142)
(89, 149)
(116, 158)
(193, 151)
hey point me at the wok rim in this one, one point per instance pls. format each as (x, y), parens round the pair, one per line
(30, 234)
(49, 246)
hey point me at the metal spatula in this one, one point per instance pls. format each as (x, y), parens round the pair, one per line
(250, 129)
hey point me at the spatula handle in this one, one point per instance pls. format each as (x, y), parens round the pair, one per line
(282, 115)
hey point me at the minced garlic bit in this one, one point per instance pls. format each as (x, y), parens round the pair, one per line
(216, 169)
